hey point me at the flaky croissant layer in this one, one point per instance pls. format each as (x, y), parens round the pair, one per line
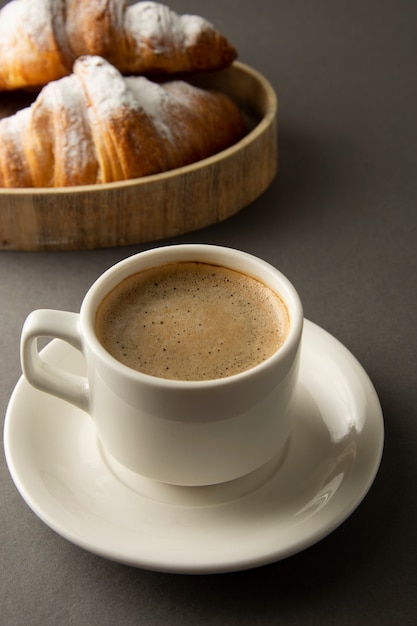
(40, 39)
(96, 126)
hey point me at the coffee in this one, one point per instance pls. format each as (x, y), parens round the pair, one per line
(191, 321)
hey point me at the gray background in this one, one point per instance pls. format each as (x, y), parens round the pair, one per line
(340, 221)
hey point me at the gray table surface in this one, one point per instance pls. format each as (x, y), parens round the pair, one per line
(340, 220)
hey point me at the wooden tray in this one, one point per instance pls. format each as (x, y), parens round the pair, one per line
(159, 206)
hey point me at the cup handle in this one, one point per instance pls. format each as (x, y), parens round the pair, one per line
(40, 374)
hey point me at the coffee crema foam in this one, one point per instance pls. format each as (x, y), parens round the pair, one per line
(191, 321)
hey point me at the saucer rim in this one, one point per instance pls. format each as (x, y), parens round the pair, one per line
(237, 564)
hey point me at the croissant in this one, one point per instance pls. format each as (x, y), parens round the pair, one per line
(40, 39)
(96, 126)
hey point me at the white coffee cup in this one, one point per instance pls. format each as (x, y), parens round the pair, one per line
(172, 431)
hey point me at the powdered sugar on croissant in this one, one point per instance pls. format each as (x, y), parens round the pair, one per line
(40, 39)
(96, 126)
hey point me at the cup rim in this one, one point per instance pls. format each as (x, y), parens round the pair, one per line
(231, 258)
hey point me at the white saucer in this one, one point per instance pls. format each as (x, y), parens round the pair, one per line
(330, 463)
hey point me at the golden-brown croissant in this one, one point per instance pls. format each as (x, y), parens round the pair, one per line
(96, 126)
(40, 39)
